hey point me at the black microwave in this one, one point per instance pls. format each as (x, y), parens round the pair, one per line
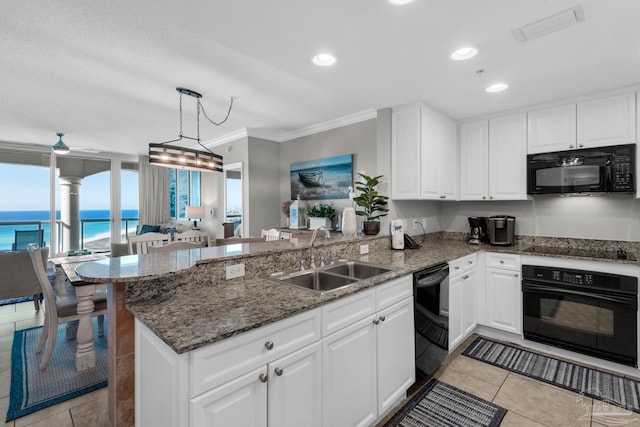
(590, 170)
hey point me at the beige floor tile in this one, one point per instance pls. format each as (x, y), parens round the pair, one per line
(472, 385)
(603, 414)
(511, 419)
(4, 405)
(19, 315)
(543, 403)
(480, 370)
(61, 419)
(5, 383)
(25, 306)
(7, 309)
(91, 414)
(7, 329)
(29, 323)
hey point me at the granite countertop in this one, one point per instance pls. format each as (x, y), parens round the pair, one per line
(205, 312)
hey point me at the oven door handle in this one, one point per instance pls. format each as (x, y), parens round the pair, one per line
(629, 301)
(432, 279)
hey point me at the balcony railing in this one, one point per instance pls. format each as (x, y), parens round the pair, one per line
(92, 236)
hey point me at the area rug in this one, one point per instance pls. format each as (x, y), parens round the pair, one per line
(15, 300)
(441, 405)
(33, 389)
(611, 388)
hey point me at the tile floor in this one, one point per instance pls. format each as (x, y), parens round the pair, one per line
(89, 410)
(529, 403)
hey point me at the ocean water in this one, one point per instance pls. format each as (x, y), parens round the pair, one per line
(92, 230)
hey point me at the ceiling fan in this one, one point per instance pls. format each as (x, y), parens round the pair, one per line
(61, 148)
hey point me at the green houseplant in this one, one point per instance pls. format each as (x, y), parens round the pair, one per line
(320, 215)
(373, 204)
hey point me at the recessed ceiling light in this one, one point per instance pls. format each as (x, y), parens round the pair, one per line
(464, 53)
(400, 2)
(498, 87)
(324, 59)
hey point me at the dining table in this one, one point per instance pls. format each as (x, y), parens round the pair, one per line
(84, 291)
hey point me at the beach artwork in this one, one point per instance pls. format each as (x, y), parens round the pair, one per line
(328, 178)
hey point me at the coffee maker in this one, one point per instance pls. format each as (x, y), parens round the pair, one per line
(501, 230)
(478, 230)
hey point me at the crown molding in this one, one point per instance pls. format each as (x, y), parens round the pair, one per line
(298, 133)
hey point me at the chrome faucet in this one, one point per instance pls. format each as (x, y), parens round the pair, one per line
(327, 235)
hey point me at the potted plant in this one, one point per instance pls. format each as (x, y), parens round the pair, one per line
(373, 203)
(320, 215)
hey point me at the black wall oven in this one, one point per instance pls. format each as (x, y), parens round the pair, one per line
(588, 312)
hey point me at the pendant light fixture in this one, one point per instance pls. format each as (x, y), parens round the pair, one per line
(60, 147)
(172, 156)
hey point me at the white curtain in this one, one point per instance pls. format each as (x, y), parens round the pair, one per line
(153, 193)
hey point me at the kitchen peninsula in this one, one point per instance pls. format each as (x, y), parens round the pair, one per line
(184, 299)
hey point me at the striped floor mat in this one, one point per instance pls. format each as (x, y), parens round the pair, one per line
(611, 388)
(441, 405)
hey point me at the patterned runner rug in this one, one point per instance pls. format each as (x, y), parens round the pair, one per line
(611, 388)
(33, 389)
(441, 405)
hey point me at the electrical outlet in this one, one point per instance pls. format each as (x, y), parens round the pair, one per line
(233, 271)
(424, 224)
(415, 223)
(364, 249)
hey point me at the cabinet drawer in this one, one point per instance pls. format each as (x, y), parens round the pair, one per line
(393, 291)
(218, 363)
(462, 265)
(505, 261)
(348, 310)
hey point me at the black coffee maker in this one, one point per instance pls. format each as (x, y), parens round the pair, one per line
(478, 230)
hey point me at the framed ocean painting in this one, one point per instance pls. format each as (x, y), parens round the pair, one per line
(328, 178)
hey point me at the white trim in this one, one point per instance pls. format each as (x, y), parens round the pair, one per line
(298, 133)
(45, 149)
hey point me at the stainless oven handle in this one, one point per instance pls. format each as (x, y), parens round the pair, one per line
(432, 279)
(611, 298)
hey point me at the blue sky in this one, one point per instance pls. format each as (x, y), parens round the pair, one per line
(26, 188)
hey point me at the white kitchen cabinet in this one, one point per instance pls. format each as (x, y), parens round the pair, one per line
(462, 299)
(503, 292)
(607, 121)
(551, 129)
(423, 154)
(368, 365)
(231, 382)
(493, 159)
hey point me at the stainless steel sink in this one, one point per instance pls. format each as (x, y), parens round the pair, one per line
(330, 277)
(357, 269)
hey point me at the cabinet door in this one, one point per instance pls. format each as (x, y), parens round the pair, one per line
(396, 353)
(456, 285)
(551, 129)
(468, 303)
(405, 153)
(240, 402)
(294, 389)
(448, 160)
(504, 306)
(608, 121)
(439, 162)
(474, 144)
(349, 376)
(508, 158)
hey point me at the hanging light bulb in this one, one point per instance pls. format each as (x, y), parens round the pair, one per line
(60, 147)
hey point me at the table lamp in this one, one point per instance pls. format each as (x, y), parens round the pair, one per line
(195, 213)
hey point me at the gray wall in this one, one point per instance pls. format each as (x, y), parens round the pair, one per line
(359, 139)
(263, 178)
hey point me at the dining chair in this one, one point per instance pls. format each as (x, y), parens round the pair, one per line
(59, 310)
(23, 238)
(175, 246)
(193, 236)
(270, 235)
(140, 243)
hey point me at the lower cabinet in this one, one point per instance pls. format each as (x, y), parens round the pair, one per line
(344, 364)
(368, 366)
(283, 393)
(462, 300)
(504, 300)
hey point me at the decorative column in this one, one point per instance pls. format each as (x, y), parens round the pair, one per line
(70, 211)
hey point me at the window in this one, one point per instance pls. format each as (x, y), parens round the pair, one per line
(184, 190)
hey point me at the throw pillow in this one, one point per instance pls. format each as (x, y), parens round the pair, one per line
(146, 228)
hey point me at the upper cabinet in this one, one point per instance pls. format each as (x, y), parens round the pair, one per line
(607, 121)
(493, 159)
(551, 129)
(588, 124)
(423, 154)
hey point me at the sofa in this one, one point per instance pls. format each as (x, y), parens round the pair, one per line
(18, 277)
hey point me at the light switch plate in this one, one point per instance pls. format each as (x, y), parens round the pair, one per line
(234, 271)
(364, 249)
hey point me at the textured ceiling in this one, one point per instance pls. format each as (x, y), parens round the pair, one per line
(105, 72)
